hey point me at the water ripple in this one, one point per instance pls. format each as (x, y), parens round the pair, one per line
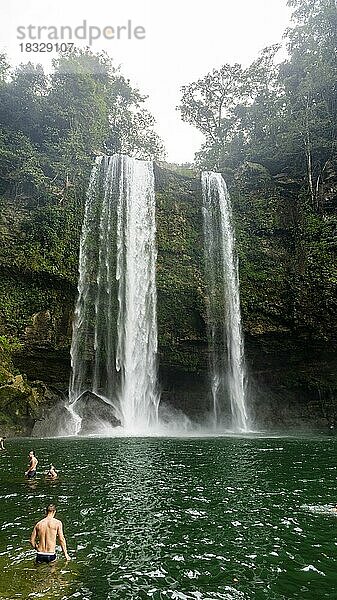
(172, 518)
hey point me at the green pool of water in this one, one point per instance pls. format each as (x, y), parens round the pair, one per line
(231, 518)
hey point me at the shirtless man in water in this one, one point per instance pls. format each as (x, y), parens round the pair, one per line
(45, 532)
(32, 465)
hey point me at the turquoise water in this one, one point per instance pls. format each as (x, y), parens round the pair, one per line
(225, 518)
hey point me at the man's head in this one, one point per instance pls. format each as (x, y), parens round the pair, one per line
(51, 510)
(32, 453)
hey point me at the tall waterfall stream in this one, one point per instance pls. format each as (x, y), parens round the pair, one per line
(227, 361)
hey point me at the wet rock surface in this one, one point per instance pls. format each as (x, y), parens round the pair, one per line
(96, 413)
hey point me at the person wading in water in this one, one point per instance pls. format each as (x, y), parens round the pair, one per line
(52, 473)
(31, 473)
(46, 531)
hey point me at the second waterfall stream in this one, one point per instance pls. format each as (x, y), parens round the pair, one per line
(226, 346)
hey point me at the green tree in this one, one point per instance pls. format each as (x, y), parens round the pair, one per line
(4, 68)
(210, 104)
(59, 122)
(309, 79)
(234, 108)
(281, 115)
(131, 125)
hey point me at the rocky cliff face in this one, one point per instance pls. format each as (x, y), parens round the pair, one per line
(287, 293)
(21, 402)
(287, 252)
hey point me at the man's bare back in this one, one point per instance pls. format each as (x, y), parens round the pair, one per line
(44, 535)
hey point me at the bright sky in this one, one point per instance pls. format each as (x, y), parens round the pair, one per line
(183, 42)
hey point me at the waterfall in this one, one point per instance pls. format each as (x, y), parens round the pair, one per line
(114, 343)
(137, 298)
(227, 362)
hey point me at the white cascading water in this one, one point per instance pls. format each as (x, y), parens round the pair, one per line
(81, 338)
(227, 362)
(136, 355)
(118, 361)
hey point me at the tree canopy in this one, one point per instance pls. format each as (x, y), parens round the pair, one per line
(53, 124)
(279, 114)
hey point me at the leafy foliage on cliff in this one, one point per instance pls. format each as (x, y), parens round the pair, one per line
(180, 284)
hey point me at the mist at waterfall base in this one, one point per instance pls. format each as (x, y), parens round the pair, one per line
(114, 360)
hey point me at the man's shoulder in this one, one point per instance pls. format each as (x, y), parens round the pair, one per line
(54, 524)
(57, 522)
(40, 523)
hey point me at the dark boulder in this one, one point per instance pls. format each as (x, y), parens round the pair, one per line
(96, 413)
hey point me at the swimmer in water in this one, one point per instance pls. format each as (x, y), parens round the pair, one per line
(31, 472)
(52, 473)
(44, 535)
